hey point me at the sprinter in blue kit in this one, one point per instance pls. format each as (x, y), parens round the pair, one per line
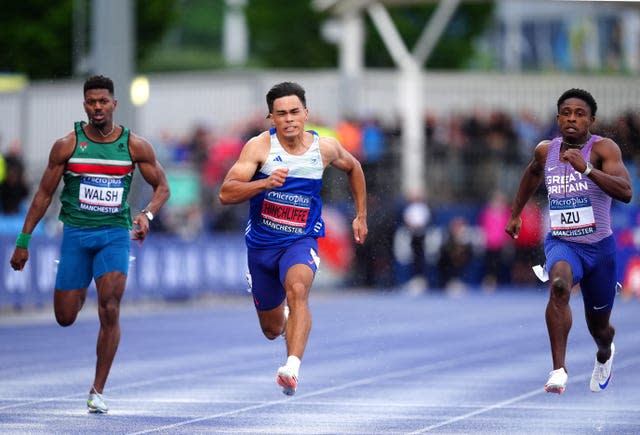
(280, 173)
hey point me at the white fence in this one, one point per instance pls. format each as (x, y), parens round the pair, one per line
(45, 111)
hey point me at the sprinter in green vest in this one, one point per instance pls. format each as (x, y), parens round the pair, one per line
(96, 161)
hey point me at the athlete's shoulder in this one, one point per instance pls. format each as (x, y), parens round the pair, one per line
(256, 150)
(540, 154)
(545, 143)
(602, 141)
(62, 149)
(135, 139)
(67, 141)
(606, 148)
(264, 137)
(140, 149)
(70, 137)
(542, 148)
(330, 149)
(328, 143)
(259, 142)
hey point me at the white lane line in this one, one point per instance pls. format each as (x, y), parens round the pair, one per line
(489, 354)
(572, 380)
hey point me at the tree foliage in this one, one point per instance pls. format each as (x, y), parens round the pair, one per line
(36, 36)
(194, 40)
(153, 19)
(288, 35)
(454, 48)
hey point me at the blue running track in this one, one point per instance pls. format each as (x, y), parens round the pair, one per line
(377, 363)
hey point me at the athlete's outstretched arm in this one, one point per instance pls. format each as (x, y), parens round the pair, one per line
(336, 155)
(612, 177)
(60, 152)
(153, 173)
(531, 179)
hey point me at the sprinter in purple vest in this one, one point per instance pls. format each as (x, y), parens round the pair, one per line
(582, 173)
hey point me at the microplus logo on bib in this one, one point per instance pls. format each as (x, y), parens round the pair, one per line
(574, 202)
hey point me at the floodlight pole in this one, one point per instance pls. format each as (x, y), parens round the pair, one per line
(410, 91)
(112, 51)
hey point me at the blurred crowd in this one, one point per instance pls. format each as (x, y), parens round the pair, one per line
(14, 188)
(450, 236)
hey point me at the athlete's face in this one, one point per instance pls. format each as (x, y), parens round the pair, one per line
(289, 116)
(99, 105)
(575, 119)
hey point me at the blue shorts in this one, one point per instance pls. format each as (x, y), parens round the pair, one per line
(268, 269)
(88, 253)
(593, 266)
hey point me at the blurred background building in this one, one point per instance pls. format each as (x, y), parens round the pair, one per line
(442, 102)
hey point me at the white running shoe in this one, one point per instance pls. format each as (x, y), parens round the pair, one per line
(96, 404)
(602, 373)
(557, 381)
(288, 380)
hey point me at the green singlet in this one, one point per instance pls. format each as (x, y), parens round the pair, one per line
(97, 179)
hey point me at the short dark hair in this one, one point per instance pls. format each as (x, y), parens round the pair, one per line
(99, 82)
(582, 95)
(284, 89)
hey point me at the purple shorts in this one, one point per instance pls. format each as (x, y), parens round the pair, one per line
(593, 266)
(268, 269)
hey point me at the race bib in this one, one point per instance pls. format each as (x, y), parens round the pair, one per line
(286, 212)
(571, 217)
(101, 194)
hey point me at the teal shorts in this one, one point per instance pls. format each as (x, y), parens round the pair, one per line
(88, 253)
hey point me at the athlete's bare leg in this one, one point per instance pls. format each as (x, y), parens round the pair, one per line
(602, 333)
(558, 313)
(298, 285)
(110, 287)
(67, 304)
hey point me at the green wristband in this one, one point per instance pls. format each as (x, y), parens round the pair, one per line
(23, 240)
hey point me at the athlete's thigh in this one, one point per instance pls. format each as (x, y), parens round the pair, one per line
(600, 280)
(111, 286)
(558, 250)
(74, 269)
(264, 283)
(303, 252)
(67, 303)
(113, 252)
